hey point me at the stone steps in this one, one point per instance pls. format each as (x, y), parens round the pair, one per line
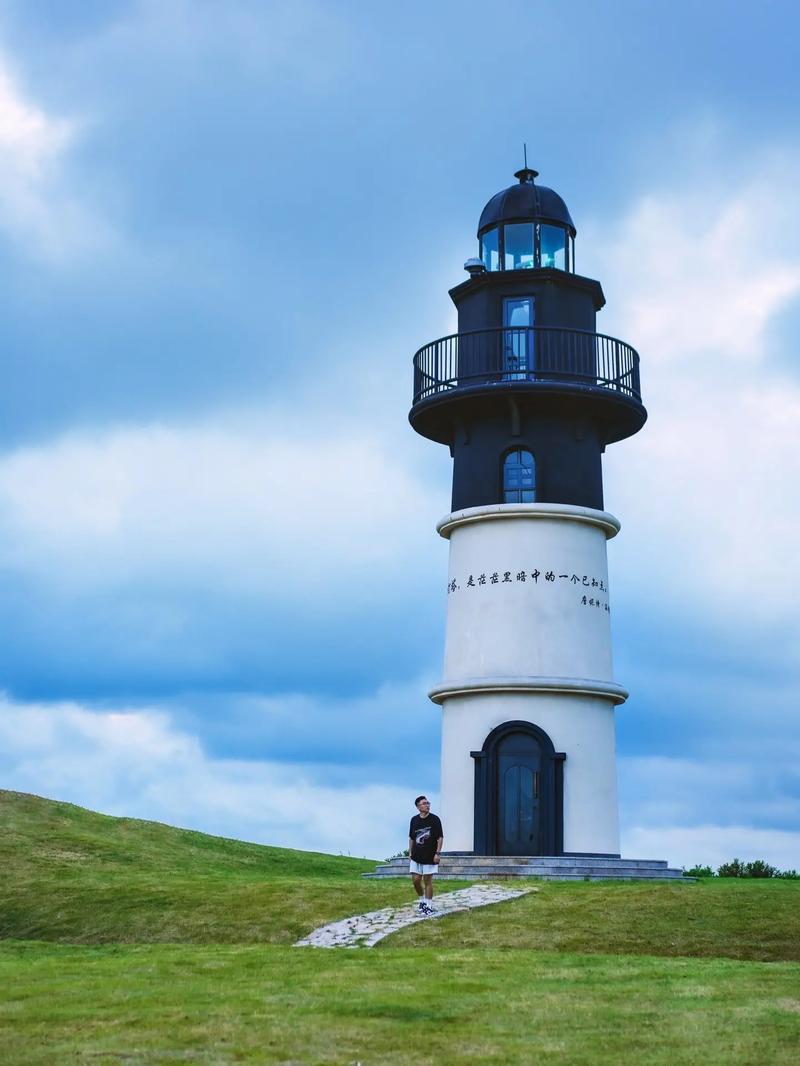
(547, 867)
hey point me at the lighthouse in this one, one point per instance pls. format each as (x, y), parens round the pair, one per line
(527, 396)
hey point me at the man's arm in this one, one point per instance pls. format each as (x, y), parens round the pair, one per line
(410, 844)
(439, 842)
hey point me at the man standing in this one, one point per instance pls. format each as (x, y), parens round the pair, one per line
(425, 839)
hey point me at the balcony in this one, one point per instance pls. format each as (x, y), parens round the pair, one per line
(529, 359)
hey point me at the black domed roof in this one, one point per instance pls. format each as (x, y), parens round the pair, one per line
(526, 202)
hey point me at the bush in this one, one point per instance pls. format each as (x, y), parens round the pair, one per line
(759, 868)
(756, 868)
(699, 871)
(732, 869)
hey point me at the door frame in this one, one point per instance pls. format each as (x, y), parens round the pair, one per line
(551, 813)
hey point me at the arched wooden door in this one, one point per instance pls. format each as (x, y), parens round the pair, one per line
(519, 772)
(518, 792)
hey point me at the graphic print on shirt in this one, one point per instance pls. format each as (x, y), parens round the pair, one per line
(422, 835)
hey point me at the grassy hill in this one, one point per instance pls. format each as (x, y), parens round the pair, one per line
(41, 834)
(132, 941)
(79, 877)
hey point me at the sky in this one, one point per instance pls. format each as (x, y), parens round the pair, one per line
(224, 231)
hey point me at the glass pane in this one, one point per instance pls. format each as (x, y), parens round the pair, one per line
(519, 247)
(489, 250)
(518, 312)
(519, 477)
(554, 245)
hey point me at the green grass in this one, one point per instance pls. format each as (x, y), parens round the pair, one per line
(128, 941)
(230, 1003)
(717, 917)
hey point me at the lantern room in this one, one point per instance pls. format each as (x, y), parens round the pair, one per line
(526, 227)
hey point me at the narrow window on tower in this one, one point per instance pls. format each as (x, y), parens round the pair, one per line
(519, 477)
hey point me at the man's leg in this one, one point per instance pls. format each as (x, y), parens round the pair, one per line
(428, 879)
(417, 879)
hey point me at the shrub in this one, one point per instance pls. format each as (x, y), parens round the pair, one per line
(699, 871)
(756, 868)
(738, 869)
(759, 868)
(732, 869)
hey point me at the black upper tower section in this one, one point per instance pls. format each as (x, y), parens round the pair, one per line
(527, 394)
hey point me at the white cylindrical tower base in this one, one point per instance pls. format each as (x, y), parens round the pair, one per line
(529, 641)
(580, 726)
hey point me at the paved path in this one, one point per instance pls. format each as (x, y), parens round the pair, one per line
(365, 930)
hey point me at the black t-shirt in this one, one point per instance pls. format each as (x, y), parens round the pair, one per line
(425, 833)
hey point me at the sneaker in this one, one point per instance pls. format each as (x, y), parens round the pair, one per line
(422, 907)
(430, 909)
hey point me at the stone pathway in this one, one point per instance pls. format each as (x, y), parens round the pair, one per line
(365, 930)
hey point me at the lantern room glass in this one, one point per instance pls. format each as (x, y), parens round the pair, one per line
(553, 245)
(523, 245)
(490, 249)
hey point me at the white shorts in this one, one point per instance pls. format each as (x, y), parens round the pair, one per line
(423, 868)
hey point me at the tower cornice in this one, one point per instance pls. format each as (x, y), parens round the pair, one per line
(568, 686)
(528, 512)
(524, 279)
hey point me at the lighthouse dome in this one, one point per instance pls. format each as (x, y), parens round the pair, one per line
(526, 226)
(526, 202)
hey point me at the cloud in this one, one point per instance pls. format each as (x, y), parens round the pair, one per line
(237, 502)
(133, 761)
(709, 272)
(708, 844)
(733, 791)
(359, 738)
(239, 552)
(38, 210)
(705, 492)
(28, 137)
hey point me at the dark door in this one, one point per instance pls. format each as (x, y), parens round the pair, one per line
(519, 766)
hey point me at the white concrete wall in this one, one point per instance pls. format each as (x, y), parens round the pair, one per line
(529, 631)
(533, 626)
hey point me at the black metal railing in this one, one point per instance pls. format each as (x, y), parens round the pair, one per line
(530, 354)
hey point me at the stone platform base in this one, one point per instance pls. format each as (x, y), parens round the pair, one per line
(466, 867)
